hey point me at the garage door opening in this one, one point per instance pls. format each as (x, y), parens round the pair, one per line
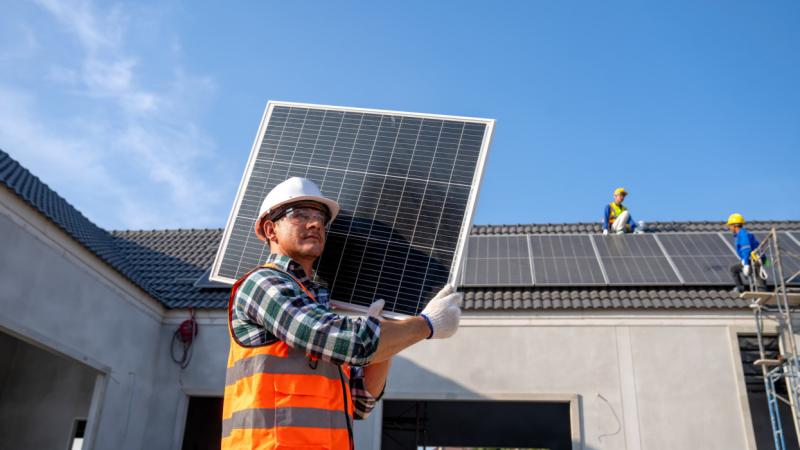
(412, 425)
(39, 388)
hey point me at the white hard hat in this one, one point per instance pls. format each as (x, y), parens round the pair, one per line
(293, 190)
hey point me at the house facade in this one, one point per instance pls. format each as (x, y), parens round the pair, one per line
(88, 321)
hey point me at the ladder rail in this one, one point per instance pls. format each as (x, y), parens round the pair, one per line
(789, 368)
(787, 336)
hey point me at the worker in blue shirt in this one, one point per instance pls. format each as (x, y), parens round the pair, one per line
(746, 243)
(616, 216)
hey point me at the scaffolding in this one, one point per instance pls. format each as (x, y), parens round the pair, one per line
(778, 305)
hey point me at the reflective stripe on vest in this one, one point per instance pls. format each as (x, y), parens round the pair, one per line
(278, 397)
(614, 212)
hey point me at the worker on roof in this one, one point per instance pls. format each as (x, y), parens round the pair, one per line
(298, 372)
(746, 243)
(616, 216)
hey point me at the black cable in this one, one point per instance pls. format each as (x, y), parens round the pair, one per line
(184, 335)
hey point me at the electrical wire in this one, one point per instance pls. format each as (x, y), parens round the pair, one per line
(184, 338)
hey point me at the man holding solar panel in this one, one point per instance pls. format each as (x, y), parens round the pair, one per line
(299, 373)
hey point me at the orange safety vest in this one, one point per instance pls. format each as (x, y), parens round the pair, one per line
(614, 212)
(276, 397)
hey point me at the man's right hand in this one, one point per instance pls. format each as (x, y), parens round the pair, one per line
(605, 232)
(443, 313)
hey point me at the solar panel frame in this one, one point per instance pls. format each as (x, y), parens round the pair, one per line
(471, 197)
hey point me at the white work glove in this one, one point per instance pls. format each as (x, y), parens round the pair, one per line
(638, 231)
(376, 308)
(442, 313)
(746, 270)
(605, 232)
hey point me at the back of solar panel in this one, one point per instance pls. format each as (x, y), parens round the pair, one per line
(407, 184)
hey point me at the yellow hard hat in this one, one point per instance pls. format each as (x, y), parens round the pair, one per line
(620, 191)
(735, 219)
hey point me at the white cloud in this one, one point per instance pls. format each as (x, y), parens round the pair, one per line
(132, 155)
(94, 31)
(62, 160)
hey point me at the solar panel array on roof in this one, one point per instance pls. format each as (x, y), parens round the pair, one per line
(667, 258)
(701, 258)
(407, 185)
(497, 260)
(790, 255)
(634, 260)
(565, 260)
(793, 254)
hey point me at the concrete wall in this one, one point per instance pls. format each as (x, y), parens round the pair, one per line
(636, 381)
(59, 296)
(41, 396)
(204, 376)
(643, 381)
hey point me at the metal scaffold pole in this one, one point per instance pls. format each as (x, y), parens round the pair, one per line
(778, 306)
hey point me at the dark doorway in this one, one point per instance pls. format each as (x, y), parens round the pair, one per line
(39, 387)
(203, 424)
(408, 425)
(757, 393)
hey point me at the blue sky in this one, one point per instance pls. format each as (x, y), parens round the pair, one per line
(142, 114)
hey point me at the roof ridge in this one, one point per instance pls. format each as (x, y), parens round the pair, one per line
(165, 230)
(41, 197)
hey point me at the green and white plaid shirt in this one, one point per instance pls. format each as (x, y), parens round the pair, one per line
(269, 305)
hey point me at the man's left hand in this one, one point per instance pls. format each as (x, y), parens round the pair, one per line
(376, 308)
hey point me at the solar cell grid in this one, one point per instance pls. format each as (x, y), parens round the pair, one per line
(634, 260)
(792, 263)
(497, 261)
(565, 260)
(405, 185)
(790, 255)
(701, 258)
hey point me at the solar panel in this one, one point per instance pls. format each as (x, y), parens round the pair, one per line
(497, 261)
(406, 182)
(790, 255)
(701, 258)
(565, 260)
(634, 259)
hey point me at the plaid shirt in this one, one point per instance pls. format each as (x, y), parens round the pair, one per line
(269, 305)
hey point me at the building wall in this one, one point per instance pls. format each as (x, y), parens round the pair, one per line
(640, 381)
(645, 380)
(60, 297)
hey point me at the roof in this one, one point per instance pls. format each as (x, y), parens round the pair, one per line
(651, 227)
(168, 263)
(173, 260)
(60, 212)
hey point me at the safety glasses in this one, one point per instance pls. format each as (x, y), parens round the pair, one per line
(303, 215)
